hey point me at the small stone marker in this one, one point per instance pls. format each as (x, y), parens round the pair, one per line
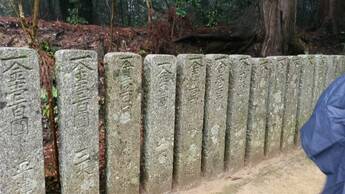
(331, 67)
(240, 74)
(305, 93)
(77, 83)
(123, 121)
(291, 102)
(191, 76)
(255, 142)
(217, 82)
(21, 149)
(278, 71)
(159, 123)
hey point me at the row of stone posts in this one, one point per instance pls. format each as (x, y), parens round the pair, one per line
(170, 121)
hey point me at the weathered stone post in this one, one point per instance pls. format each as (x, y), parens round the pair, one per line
(339, 65)
(21, 149)
(159, 123)
(123, 122)
(320, 76)
(342, 62)
(217, 82)
(291, 102)
(277, 85)
(191, 76)
(258, 107)
(305, 105)
(237, 115)
(331, 67)
(77, 84)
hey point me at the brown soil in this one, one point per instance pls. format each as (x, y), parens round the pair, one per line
(286, 174)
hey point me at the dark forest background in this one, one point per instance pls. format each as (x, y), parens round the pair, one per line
(270, 27)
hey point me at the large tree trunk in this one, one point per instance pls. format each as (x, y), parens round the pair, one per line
(328, 14)
(273, 40)
(288, 8)
(279, 21)
(101, 11)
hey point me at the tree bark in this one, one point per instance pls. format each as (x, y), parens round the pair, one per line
(35, 17)
(279, 21)
(149, 11)
(113, 12)
(328, 14)
(288, 9)
(273, 41)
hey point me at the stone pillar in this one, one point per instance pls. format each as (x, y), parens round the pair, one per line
(339, 65)
(331, 67)
(159, 123)
(237, 115)
(342, 61)
(320, 77)
(258, 107)
(77, 84)
(277, 86)
(291, 102)
(123, 121)
(305, 105)
(21, 149)
(312, 60)
(191, 76)
(217, 82)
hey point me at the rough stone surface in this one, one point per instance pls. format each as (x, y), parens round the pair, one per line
(342, 62)
(331, 67)
(21, 149)
(159, 120)
(339, 65)
(191, 76)
(320, 76)
(77, 84)
(240, 74)
(217, 82)
(255, 140)
(312, 61)
(123, 122)
(323, 64)
(305, 105)
(277, 85)
(291, 102)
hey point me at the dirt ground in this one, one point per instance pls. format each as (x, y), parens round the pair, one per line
(287, 174)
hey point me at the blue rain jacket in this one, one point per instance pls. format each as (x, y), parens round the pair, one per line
(323, 136)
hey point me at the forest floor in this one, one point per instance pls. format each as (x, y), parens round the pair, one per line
(157, 38)
(286, 174)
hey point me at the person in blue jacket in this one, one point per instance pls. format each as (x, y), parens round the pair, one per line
(323, 136)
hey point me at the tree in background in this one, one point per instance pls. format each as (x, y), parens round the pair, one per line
(149, 11)
(30, 29)
(35, 17)
(113, 12)
(327, 14)
(279, 19)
